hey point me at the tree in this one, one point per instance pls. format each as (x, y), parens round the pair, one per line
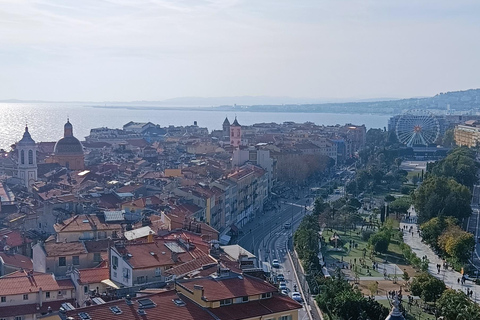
(398, 162)
(455, 305)
(433, 228)
(401, 205)
(448, 140)
(415, 180)
(441, 195)
(428, 287)
(380, 241)
(457, 243)
(340, 301)
(460, 165)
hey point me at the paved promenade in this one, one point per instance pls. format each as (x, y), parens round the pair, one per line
(450, 277)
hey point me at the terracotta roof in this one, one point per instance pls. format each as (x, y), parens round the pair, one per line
(98, 245)
(164, 309)
(93, 275)
(19, 283)
(56, 249)
(257, 308)
(191, 266)
(17, 260)
(142, 257)
(129, 188)
(13, 238)
(28, 309)
(232, 286)
(85, 222)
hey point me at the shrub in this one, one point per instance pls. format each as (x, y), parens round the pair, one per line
(366, 235)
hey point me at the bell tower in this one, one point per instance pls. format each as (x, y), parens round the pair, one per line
(27, 159)
(235, 134)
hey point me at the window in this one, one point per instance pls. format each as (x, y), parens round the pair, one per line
(126, 273)
(97, 257)
(76, 260)
(158, 272)
(85, 289)
(141, 279)
(47, 294)
(25, 297)
(62, 261)
(18, 318)
(266, 295)
(225, 302)
(3, 299)
(22, 157)
(30, 157)
(241, 299)
(289, 317)
(115, 262)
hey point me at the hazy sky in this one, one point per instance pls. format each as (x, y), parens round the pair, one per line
(148, 50)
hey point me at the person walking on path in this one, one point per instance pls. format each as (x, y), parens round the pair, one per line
(451, 277)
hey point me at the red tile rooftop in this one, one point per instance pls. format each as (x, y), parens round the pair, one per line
(33, 308)
(229, 287)
(93, 275)
(20, 283)
(16, 260)
(254, 309)
(54, 249)
(164, 308)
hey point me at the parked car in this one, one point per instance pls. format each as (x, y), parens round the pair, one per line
(280, 277)
(282, 285)
(287, 225)
(297, 296)
(275, 263)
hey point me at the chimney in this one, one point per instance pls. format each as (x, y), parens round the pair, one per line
(150, 237)
(174, 257)
(40, 296)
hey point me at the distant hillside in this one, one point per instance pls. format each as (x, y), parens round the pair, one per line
(462, 101)
(468, 100)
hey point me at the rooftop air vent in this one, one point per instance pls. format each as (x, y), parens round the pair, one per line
(141, 312)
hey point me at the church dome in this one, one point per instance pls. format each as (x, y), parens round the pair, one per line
(27, 139)
(68, 145)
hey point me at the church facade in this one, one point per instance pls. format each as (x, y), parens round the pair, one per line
(27, 159)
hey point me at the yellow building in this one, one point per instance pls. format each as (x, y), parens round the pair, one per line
(467, 134)
(227, 293)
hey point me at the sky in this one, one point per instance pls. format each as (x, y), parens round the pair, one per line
(124, 50)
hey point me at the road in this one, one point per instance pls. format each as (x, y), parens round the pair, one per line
(268, 239)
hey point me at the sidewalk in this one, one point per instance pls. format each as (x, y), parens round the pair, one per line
(421, 249)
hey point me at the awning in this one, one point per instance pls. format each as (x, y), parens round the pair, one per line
(110, 283)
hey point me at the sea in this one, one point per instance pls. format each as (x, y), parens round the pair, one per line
(45, 120)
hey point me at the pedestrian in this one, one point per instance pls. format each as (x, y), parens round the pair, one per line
(458, 280)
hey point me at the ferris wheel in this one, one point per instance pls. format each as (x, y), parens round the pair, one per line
(417, 127)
